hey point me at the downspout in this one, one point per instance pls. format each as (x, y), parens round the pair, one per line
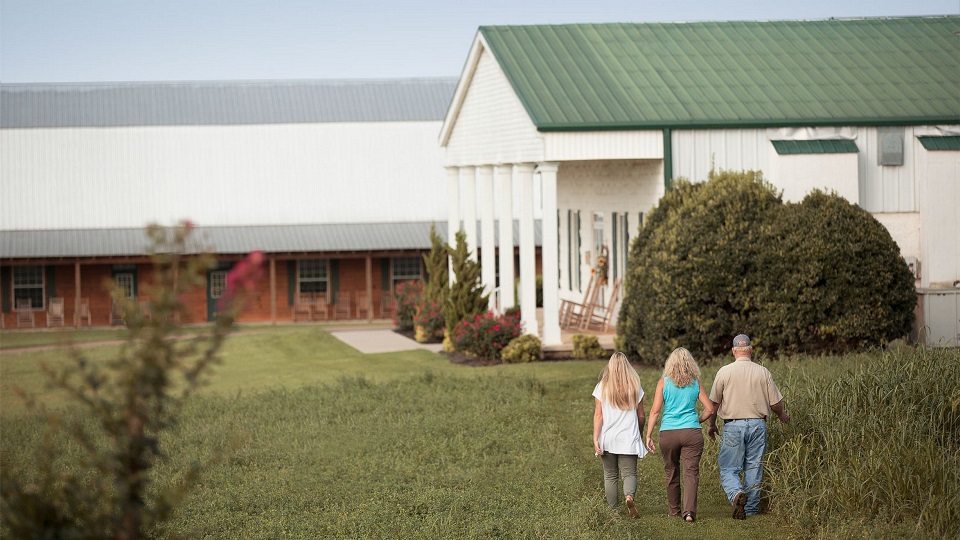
(667, 159)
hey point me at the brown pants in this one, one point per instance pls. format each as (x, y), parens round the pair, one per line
(686, 446)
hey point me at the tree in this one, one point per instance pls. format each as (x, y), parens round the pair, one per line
(127, 405)
(465, 299)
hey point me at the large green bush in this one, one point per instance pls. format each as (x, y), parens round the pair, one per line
(727, 256)
(836, 280)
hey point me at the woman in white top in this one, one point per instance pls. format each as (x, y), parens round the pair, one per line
(618, 419)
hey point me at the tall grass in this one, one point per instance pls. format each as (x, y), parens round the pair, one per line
(880, 440)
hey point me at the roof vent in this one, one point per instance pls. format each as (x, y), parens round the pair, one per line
(891, 145)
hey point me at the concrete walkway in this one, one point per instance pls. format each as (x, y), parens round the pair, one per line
(380, 340)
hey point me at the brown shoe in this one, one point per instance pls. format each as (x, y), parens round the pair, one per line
(739, 502)
(632, 508)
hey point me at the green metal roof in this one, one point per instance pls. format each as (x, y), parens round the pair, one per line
(940, 143)
(733, 74)
(815, 147)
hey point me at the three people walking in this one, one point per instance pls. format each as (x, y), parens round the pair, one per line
(743, 395)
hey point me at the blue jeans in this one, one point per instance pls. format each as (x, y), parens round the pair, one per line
(744, 442)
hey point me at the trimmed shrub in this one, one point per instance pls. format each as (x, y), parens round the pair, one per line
(840, 282)
(727, 256)
(692, 269)
(407, 300)
(486, 335)
(526, 348)
(586, 347)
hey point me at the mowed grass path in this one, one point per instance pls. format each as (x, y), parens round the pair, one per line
(332, 443)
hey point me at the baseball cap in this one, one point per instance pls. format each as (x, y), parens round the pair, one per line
(741, 340)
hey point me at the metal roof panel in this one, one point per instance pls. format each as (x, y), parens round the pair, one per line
(223, 102)
(729, 74)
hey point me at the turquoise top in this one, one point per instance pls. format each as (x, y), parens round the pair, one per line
(680, 406)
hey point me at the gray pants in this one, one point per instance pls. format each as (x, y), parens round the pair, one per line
(617, 466)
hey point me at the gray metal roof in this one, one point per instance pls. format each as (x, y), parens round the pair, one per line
(223, 102)
(318, 238)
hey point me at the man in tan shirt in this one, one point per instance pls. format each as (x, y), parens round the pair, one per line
(744, 393)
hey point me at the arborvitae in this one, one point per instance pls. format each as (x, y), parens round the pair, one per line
(466, 298)
(435, 262)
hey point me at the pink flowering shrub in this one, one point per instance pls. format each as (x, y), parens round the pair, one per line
(408, 298)
(429, 322)
(486, 335)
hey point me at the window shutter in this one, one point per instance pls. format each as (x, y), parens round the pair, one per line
(334, 280)
(5, 288)
(385, 275)
(291, 281)
(616, 245)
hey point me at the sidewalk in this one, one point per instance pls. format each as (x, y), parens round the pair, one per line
(380, 340)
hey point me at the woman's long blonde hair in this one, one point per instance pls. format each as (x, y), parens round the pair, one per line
(620, 383)
(681, 368)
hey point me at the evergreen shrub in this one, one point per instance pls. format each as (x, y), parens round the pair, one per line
(465, 299)
(726, 256)
(587, 347)
(526, 348)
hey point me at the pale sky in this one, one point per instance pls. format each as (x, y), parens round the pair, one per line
(176, 40)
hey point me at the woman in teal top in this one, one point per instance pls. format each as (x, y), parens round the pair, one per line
(681, 439)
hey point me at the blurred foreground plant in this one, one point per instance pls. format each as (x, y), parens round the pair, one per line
(125, 406)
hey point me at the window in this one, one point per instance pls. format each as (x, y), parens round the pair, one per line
(28, 284)
(218, 283)
(598, 238)
(125, 282)
(404, 269)
(313, 276)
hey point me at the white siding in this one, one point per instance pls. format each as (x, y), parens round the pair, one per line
(939, 174)
(799, 174)
(221, 175)
(492, 126)
(695, 152)
(904, 228)
(593, 145)
(886, 188)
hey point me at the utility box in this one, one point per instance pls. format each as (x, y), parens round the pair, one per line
(941, 317)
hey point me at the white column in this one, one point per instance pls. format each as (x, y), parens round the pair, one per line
(550, 254)
(505, 177)
(528, 251)
(453, 211)
(488, 251)
(468, 175)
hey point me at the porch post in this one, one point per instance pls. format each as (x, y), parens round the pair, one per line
(505, 178)
(528, 252)
(369, 305)
(453, 210)
(469, 177)
(273, 290)
(488, 253)
(550, 254)
(76, 299)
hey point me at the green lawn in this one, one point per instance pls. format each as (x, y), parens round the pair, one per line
(338, 444)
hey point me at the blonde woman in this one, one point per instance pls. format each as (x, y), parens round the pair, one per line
(618, 419)
(681, 439)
